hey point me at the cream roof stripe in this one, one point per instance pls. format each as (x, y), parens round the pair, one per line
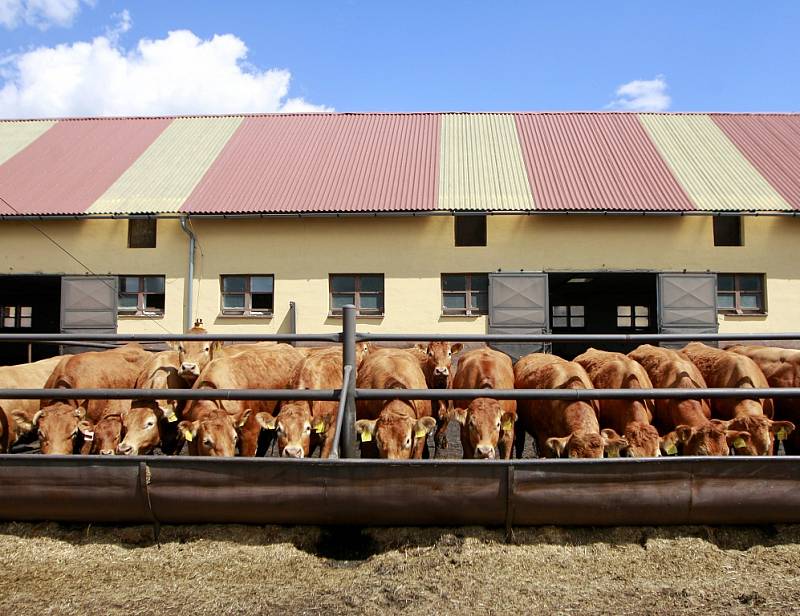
(16, 136)
(711, 169)
(481, 165)
(164, 176)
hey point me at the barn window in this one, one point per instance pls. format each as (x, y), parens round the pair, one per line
(573, 317)
(470, 230)
(633, 316)
(728, 231)
(142, 232)
(141, 296)
(741, 293)
(365, 291)
(248, 295)
(465, 294)
(14, 317)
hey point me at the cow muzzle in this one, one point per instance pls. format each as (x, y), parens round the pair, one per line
(292, 451)
(485, 452)
(189, 369)
(124, 449)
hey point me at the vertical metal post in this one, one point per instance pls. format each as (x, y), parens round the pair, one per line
(349, 443)
(30, 352)
(293, 321)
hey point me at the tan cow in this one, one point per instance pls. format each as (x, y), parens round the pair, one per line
(685, 423)
(781, 367)
(16, 416)
(153, 423)
(212, 428)
(632, 418)
(303, 425)
(753, 415)
(112, 369)
(436, 361)
(487, 425)
(561, 427)
(395, 429)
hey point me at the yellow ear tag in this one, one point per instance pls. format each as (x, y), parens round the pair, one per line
(781, 434)
(187, 435)
(508, 426)
(672, 450)
(421, 433)
(613, 453)
(319, 428)
(366, 437)
(241, 423)
(739, 442)
(172, 417)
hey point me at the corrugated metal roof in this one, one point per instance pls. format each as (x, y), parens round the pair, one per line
(16, 136)
(166, 174)
(714, 174)
(324, 163)
(481, 165)
(772, 145)
(68, 167)
(595, 161)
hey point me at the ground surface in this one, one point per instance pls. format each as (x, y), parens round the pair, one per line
(56, 569)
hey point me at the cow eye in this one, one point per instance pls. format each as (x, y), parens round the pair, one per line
(408, 443)
(308, 428)
(149, 424)
(207, 442)
(430, 354)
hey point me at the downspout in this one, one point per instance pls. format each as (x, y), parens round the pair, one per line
(187, 318)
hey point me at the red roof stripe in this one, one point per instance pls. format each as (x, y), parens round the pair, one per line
(772, 145)
(595, 162)
(324, 163)
(66, 169)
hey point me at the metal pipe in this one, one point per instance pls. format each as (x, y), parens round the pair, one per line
(187, 317)
(379, 337)
(71, 339)
(174, 394)
(573, 394)
(349, 441)
(347, 371)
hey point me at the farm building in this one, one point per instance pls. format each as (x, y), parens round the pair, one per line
(429, 222)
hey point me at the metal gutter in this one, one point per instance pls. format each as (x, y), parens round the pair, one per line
(187, 317)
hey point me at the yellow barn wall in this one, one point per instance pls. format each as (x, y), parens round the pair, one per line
(412, 252)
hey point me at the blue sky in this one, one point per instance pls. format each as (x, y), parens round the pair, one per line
(401, 56)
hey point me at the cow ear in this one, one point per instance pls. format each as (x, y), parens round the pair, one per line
(460, 415)
(322, 423)
(36, 418)
(21, 419)
(245, 415)
(87, 429)
(781, 429)
(557, 445)
(188, 429)
(424, 426)
(174, 345)
(507, 420)
(722, 423)
(455, 349)
(669, 442)
(168, 411)
(80, 412)
(738, 439)
(613, 443)
(266, 421)
(422, 346)
(365, 428)
(683, 433)
(214, 348)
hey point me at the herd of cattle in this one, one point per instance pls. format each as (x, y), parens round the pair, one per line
(400, 429)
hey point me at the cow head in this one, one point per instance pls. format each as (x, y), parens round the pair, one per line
(439, 360)
(710, 439)
(105, 436)
(295, 427)
(215, 434)
(643, 440)
(362, 350)
(482, 424)
(762, 434)
(58, 426)
(398, 434)
(582, 444)
(193, 355)
(142, 425)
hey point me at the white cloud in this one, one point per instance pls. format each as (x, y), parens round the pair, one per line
(179, 74)
(642, 95)
(40, 13)
(124, 23)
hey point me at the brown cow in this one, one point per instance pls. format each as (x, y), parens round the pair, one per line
(153, 423)
(16, 416)
(632, 418)
(112, 369)
(781, 367)
(561, 427)
(487, 425)
(303, 425)
(436, 361)
(395, 429)
(726, 369)
(213, 427)
(684, 423)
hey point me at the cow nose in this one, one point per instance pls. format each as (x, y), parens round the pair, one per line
(106, 452)
(441, 371)
(124, 449)
(188, 367)
(292, 451)
(484, 451)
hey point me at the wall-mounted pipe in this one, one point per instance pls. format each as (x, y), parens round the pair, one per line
(187, 318)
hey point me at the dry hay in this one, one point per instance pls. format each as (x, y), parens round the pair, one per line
(56, 569)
